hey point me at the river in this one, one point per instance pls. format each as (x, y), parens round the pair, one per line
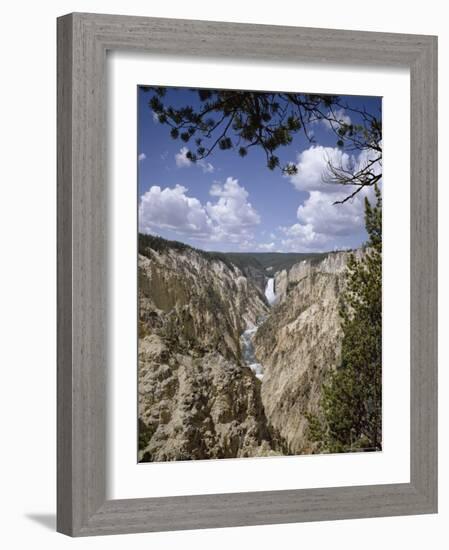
(246, 339)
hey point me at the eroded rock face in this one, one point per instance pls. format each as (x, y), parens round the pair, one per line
(196, 398)
(334, 263)
(198, 407)
(299, 343)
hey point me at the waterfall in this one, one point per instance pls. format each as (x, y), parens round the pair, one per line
(269, 291)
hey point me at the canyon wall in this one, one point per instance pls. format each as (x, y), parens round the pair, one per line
(196, 398)
(298, 344)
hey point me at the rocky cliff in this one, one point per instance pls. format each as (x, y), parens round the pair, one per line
(298, 343)
(196, 397)
(334, 263)
(199, 397)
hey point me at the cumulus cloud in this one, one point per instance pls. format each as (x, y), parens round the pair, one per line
(303, 237)
(247, 244)
(340, 116)
(206, 167)
(142, 156)
(321, 224)
(232, 212)
(231, 218)
(319, 211)
(266, 247)
(181, 158)
(183, 162)
(312, 165)
(171, 208)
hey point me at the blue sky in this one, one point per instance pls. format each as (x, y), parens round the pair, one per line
(229, 203)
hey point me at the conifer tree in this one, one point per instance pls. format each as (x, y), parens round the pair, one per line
(350, 418)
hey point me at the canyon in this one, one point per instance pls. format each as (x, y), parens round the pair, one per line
(233, 349)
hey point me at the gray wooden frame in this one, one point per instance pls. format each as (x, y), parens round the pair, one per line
(83, 40)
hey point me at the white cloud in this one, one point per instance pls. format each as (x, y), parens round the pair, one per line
(303, 237)
(319, 211)
(247, 244)
(340, 116)
(232, 212)
(207, 167)
(181, 158)
(142, 156)
(171, 208)
(183, 162)
(322, 224)
(155, 118)
(267, 247)
(231, 218)
(312, 165)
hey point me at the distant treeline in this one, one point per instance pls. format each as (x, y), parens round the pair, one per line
(268, 262)
(277, 261)
(160, 244)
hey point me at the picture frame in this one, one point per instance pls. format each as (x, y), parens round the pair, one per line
(83, 41)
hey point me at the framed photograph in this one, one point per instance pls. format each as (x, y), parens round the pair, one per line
(247, 274)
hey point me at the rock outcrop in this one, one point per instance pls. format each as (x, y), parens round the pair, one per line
(194, 407)
(299, 342)
(196, 397)
(334, 263)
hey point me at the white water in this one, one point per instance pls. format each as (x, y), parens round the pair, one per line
(246, 339)
(269, 291)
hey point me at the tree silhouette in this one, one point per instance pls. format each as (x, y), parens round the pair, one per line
(241, 120)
